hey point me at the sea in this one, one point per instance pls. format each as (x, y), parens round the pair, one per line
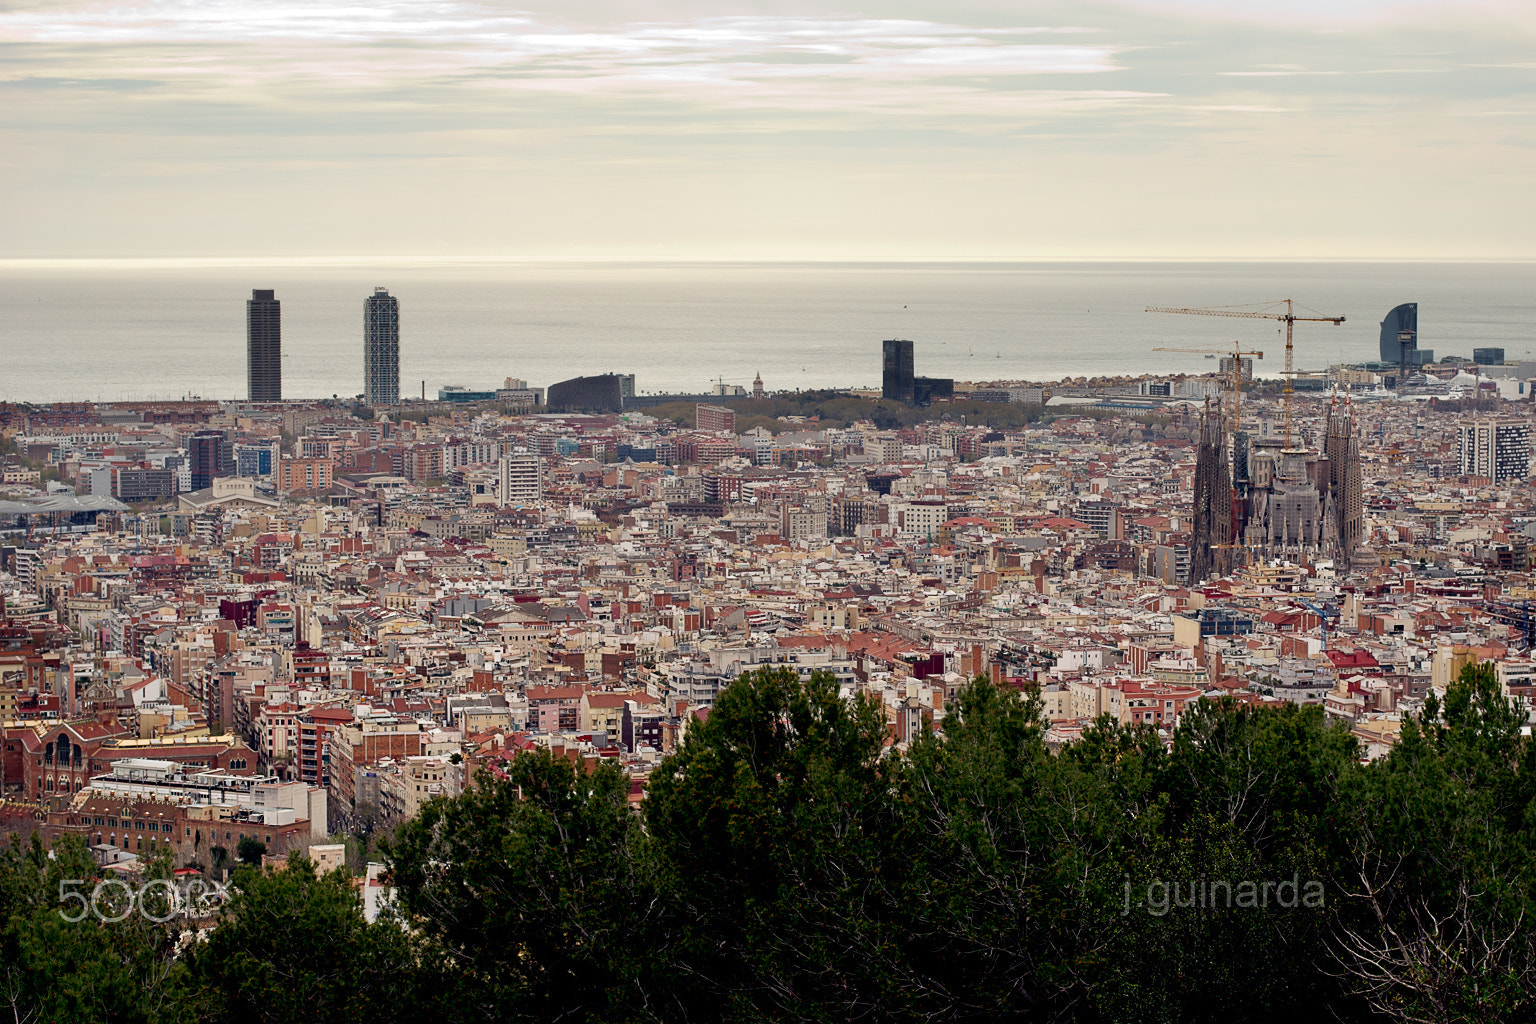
(105, 330)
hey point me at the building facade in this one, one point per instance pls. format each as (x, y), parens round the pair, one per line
(304, 475)
(263, 346)
(716, 418)
(896, 375)
(146, 484)
(381, 348)
(522, 479)
(1498, 449)
(256, 459)
(1400, 335)
(206, 454)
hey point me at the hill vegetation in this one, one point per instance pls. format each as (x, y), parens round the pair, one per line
(787, 867)
(838, 409)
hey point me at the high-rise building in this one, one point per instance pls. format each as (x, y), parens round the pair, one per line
(898, 384)
(381, 348)
(522, 479)
(896, 381)
(206, 452)
(1499, 449)
(1400, 338)
(264, 346)
(1402, 321)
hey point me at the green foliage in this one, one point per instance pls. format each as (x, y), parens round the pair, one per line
(250, 850)
(838, 409)
(774, 836)
(78, 970)
(531, 887)
(999, 937)
(293, 946)
(1241, 796)
(790, 864)
(1436, 850)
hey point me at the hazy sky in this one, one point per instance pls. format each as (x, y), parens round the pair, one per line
(669, 129)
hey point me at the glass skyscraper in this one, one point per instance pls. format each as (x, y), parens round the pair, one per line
(264, 346)
(381, 348)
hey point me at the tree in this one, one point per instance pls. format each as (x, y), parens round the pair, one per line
(1437, 853)
(997, 888)
(774, 837)
(1242, 796)
(60, 961)
(251, 850)
(293, 945)
(532, 887)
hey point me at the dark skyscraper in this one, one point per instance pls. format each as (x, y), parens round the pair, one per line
(264, 346)
(1404, 321)
(206, 457)
(896, 383)
(602, 393)
(381, 348)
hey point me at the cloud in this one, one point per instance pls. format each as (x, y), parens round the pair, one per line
(1245, 108)
(242, 52)
(465, 110)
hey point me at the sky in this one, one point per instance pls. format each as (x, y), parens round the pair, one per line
(678, 130)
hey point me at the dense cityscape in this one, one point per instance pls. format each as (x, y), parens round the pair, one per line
(246, 635)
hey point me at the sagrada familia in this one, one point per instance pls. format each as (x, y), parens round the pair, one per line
(1262, 500)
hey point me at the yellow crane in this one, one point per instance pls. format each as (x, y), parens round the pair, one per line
(1235, 378)
(1271, 311)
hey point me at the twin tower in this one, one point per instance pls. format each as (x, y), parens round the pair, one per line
(381, 347)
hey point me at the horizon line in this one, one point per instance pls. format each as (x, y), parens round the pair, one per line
(233, 262)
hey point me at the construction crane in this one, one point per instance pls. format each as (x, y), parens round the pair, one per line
(1235, 399)
(1270, 312)
(1322, 615)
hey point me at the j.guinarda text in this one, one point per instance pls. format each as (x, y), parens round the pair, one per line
(1223, 894)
